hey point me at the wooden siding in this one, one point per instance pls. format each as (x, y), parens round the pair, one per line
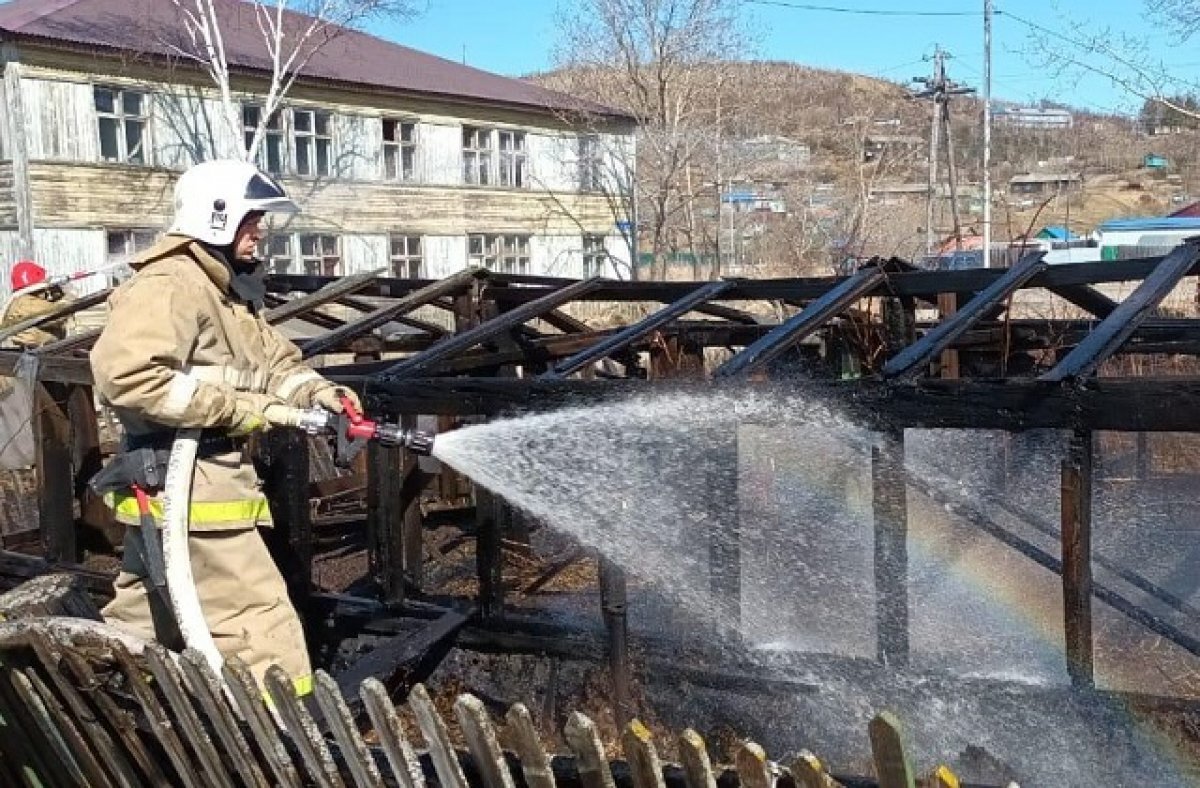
(5, 153)
(362, 253)
(68, 251)
(444, 254)
(187, 127)
(8, 208)
(554, 161)
(439, 154)
(60, 120)
(101, 195)
(358, 142)
(60, 64)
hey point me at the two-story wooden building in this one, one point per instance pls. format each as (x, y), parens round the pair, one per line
(398, 158)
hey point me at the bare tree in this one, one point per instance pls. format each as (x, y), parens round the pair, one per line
(292, 32)
(662, 62)
(1125, 59)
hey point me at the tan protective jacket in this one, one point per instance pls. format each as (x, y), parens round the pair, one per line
(177, 347)
(24, 307)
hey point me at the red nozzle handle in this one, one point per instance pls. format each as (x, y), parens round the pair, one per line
(352, 412)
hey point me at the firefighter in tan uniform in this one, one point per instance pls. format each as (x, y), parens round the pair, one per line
(33, 296)
(186, 346)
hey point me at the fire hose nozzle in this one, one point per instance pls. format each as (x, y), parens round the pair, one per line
(414, 440)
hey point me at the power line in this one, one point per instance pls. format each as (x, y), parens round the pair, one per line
(859, 11)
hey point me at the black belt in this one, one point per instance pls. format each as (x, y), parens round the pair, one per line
(210, 443)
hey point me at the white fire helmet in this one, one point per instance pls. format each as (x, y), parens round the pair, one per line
(213, 197)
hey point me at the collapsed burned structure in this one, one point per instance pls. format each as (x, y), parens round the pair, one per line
(515, 346)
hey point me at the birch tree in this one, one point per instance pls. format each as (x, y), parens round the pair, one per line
(662, 62)
(292, 32)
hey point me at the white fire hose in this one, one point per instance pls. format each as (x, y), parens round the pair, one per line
(181, 587)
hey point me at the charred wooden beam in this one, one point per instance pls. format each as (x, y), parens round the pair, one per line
(613, 607)
(331, 290)
(803, 323)
(64, 310)
(56, 480)
(491, 328)
(1124, 320)
(640, 329)
(286, 485)
(1087, 298)
(912, 359)
(1018, 404)
(385, 314)
(1077, 559)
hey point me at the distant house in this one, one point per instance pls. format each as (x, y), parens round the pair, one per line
(770, 153)
(876, 146)
(1122, 239)
(1055, 232)
(1044, 183)
(1153, 161)
(891, 193)
(1035, 118)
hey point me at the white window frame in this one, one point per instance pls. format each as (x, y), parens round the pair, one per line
(591, 164)
(406, 254)
(513, 159)
(506, 254)
(309, 141)
(595, 256)
(478, 155)
(278, 251)
(273, 133)
(400, 154)
(124, 120)
(324, 259)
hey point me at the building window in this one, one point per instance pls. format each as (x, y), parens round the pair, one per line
(591, 173)
(122, 246)
(399, 150)
(319, 255)
(270, 152)
(506, 254)
(477, 155)
(121, 115)
(594, 256)
(406, 256)
(313, 141)
(276, 250)
(513, 159)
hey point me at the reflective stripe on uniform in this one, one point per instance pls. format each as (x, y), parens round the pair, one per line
(179, 394)
(292, 382)
(199, 512)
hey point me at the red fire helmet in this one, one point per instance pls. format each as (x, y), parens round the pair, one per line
(26, 274)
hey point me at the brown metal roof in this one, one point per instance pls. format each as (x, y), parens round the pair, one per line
(155, 27)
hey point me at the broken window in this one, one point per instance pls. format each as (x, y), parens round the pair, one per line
(121, 116)
(399, 150)
(276, 251)
(121, 247)
(319, 255)
(508, 254)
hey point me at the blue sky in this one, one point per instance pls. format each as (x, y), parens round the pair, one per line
(517, 37)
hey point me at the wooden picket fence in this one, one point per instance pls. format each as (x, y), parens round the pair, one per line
(83, 705)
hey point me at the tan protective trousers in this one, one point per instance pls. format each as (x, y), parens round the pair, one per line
(243, 596)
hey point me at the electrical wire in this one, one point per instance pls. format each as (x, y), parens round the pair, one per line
(860, 11)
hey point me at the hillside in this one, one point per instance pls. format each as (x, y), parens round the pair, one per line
(836, 114)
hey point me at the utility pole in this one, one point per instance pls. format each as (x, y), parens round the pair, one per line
(940, 90)
(987, 133)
